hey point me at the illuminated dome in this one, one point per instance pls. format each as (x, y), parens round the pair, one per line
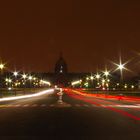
(61, 66)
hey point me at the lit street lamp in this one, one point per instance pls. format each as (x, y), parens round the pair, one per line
(1, 74)
(24, 76)
(30, 79)
(121, 68)
(106, 73)
(15, 73)
(98, 76)
(1, 66)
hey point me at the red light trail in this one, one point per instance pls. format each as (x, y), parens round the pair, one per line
(80, 96)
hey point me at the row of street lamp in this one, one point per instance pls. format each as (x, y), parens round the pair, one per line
(103, 79)
(20, 80)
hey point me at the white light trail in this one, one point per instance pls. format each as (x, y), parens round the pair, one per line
(45, 82)
(28, 96)
(76, 82)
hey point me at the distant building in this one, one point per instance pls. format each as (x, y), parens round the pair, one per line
(61, 66)
(61, 75)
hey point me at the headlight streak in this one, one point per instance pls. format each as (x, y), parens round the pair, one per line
(27, 96)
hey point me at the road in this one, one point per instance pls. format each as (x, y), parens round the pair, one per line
(70, 116)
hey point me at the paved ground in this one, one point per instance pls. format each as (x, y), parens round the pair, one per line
(71, 116)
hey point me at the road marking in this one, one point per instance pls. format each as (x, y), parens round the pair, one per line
(1, 106)
(77, 105)
(43, 105)
(85, 105)
(93, 105)
(26, 105)
(51, 105)
(17, 105)
(9, 105)
(34, 105)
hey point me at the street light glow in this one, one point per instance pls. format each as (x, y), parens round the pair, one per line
(106, 73)
(24, 76)
(91, 77)
(30, 77)
(1, 66)
(121, 66)
(97, 76)
(15, 73)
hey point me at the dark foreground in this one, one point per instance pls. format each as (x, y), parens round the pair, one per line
(77, 117)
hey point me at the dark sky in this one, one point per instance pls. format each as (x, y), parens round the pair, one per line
(88, 32)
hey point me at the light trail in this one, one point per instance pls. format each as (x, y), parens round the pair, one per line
(124, 113)
(28, 96)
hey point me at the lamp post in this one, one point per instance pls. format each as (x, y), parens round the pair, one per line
(30, 79)
(92, 79)
(121, 67)
(24, 76)
(15, 73)
(1, 74)
(106, 74)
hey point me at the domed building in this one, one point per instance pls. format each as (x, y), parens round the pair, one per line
(61, 66)
(61, 71)
(61, 75)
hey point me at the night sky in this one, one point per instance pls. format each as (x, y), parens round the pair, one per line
(88, 32)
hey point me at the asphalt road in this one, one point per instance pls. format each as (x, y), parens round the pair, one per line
(71, 116)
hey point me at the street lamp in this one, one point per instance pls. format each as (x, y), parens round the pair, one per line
(87, 78)
(15, 73)
(30, 78)
(106, 73)
(1, 73)
(91, 77)
(121, 67)
(8, 81)
(98, 76)
(24, 76)
(1, 66)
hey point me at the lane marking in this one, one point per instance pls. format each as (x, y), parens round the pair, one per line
(2, 106)
(93, 105)
(17, 105)
(86, 105)
(43, 105)
(52, 105)
(9, 105)
(77, 105)
(26, 105)
(34, 105)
